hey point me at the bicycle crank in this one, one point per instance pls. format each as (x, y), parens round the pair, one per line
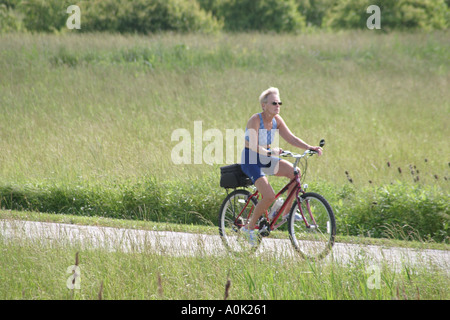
(264, 227)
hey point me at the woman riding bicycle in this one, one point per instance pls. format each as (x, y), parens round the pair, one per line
(259, 159)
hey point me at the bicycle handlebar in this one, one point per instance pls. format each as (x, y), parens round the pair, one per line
(297, 157)
(287, 153)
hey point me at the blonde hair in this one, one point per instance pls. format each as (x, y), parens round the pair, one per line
(266, 93)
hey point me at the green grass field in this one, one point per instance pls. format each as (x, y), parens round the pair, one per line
(86, 121)
(35, 271)
(39, 269)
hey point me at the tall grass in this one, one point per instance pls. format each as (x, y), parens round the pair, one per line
(38, 269)
(86, 120)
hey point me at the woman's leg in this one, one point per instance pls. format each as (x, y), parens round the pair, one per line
(286, 169)
(268, 196)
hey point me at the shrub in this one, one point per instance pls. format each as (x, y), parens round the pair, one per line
(395, 14)
(43, 15)
(146, 16)
(257, 15)
(314, 10)
(412, 212)
(109, 15)
(9, 19)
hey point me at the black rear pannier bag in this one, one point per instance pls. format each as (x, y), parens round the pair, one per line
(232, 176)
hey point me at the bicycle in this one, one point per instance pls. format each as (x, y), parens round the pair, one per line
(312, 236)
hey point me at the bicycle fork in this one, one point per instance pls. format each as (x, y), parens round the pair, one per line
(313, 225)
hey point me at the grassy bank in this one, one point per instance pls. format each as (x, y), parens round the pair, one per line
(395, 211)
(86, 122)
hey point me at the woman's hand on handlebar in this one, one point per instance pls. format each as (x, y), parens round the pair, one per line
(277, 151)
(318, 150)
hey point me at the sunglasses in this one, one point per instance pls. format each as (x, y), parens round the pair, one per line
(275, 103)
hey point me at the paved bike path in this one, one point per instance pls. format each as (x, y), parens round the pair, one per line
(188, 244)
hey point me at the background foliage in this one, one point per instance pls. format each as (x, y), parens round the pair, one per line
(144, 16)
(395, 14)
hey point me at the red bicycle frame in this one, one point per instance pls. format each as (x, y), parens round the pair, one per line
(296, 191)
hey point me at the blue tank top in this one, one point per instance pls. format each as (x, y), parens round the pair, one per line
(265, 137)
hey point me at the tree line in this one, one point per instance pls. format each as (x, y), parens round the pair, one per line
(293, 16)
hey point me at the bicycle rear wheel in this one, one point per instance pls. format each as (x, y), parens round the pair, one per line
(234, 214)
(315, 241)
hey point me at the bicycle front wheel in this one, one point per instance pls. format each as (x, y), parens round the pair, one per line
(314, 238)
(235, 213)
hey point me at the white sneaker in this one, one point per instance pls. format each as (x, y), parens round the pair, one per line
(250, 236)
